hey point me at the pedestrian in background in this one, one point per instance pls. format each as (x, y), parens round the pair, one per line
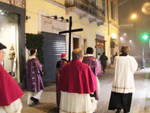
(95, 65)
(103, 60)
(34, 83)
(123, 82)
(59, 66)
(77, 82)
(10, 92)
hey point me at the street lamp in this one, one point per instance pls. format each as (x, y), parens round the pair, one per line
(114, 36)
(130, 41)
(133, 16)
(121, 38)
(146, 8)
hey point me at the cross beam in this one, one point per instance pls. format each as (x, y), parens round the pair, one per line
(70, 31)
(73, 30)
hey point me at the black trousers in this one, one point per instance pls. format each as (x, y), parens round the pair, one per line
(120, 101)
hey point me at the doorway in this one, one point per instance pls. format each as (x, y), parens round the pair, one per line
(75, 42)
(100, 45)
(9, 37)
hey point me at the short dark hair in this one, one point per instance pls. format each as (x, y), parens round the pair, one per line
(76, 54)
(124, 49)
(32, 51)
(89, 50)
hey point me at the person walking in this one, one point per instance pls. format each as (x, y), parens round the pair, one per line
(103, 60)
(34, 83)
(123, 85)
(76, 83)
(95, 65)
(59, 66)
(10, 92)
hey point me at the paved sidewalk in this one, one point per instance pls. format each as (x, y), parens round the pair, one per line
(47, 102)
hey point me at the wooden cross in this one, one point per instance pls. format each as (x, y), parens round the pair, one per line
(70, 31)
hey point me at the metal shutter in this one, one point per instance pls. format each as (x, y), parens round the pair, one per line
(53, 46)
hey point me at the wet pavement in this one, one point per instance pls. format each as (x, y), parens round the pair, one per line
(140, 102)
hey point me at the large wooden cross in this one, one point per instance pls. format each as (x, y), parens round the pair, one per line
(70, 31)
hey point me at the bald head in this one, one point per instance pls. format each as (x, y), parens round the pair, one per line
(77, 54)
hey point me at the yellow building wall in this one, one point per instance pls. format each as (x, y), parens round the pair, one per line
(111, 26)
(34, 7)
(32, 24)
(99, 2)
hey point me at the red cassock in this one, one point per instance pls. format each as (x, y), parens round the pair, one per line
(77, 77)
(9, 89)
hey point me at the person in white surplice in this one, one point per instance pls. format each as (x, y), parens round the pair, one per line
(123, 85)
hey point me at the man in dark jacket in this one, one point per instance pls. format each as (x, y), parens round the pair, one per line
(103, 60)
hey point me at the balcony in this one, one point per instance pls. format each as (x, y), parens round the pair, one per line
(85, 9)
(18, 3)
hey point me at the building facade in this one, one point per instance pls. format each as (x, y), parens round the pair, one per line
(98, 18)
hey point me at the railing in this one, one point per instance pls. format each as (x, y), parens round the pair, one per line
(19, 3)
(85, 5)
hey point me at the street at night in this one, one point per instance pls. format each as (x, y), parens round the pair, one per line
(74, 56)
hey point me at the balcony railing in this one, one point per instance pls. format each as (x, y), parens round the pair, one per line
(18, 3)
(86, 6)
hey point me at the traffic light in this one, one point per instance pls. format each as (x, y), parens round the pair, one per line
(145, 36)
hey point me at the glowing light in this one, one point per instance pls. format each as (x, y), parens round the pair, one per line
(146, 8)
(124, 34)
(145, 36)
(130, 41)
(121, 38)
(2, 12)
(114, 36)
(134, 16)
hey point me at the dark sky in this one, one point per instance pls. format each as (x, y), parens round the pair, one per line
(126, 7)
(140, 26)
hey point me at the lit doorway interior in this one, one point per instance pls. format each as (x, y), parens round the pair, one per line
(100, 45)
(9, 37)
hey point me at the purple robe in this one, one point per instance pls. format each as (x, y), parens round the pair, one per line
(34, 81)
(96, 68)
(94, 64)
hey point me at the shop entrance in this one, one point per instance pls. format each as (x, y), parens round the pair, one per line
(9, 37)
(100, 45)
